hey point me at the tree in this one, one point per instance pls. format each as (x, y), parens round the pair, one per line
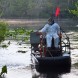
(1, 9)
(75, 10)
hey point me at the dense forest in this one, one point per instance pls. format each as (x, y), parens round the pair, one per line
(35, 8)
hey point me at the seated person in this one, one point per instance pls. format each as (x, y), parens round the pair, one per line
(52, 30)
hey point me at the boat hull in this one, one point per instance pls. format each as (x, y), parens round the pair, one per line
(53, 64)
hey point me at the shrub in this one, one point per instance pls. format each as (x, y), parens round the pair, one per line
(3, 28)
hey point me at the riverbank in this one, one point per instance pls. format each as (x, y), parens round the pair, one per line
(65, 24)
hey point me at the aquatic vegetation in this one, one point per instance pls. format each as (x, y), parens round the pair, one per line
(19, 34)
(20, 51)
(4, 46)
(20, 31)
(75, 65)
(4, 70)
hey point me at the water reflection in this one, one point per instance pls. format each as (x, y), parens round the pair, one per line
(18, 64)
(48, 75)
(51, 73)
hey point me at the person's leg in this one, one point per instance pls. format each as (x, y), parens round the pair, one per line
(48, 40)
(56, 42)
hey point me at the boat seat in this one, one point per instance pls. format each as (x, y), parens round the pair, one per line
(34, 41)
(53, 51)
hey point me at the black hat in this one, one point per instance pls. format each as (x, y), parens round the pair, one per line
(51, 19)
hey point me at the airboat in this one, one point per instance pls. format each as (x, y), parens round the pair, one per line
(53, 59)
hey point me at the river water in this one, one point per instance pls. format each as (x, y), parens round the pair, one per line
(19, 64)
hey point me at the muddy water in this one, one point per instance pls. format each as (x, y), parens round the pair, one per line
(18, 60)
(19, 64)
(73, 71)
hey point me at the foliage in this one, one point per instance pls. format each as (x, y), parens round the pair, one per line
(76, 65)
(75, 11)
(28, 32)
(19, 33)
(4, 70)
(32, 8)
(1, 11)
(4, 46)
(3, 29)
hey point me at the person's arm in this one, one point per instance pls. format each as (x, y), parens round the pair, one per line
(40, 33)
(43, 30)
(60, 34)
